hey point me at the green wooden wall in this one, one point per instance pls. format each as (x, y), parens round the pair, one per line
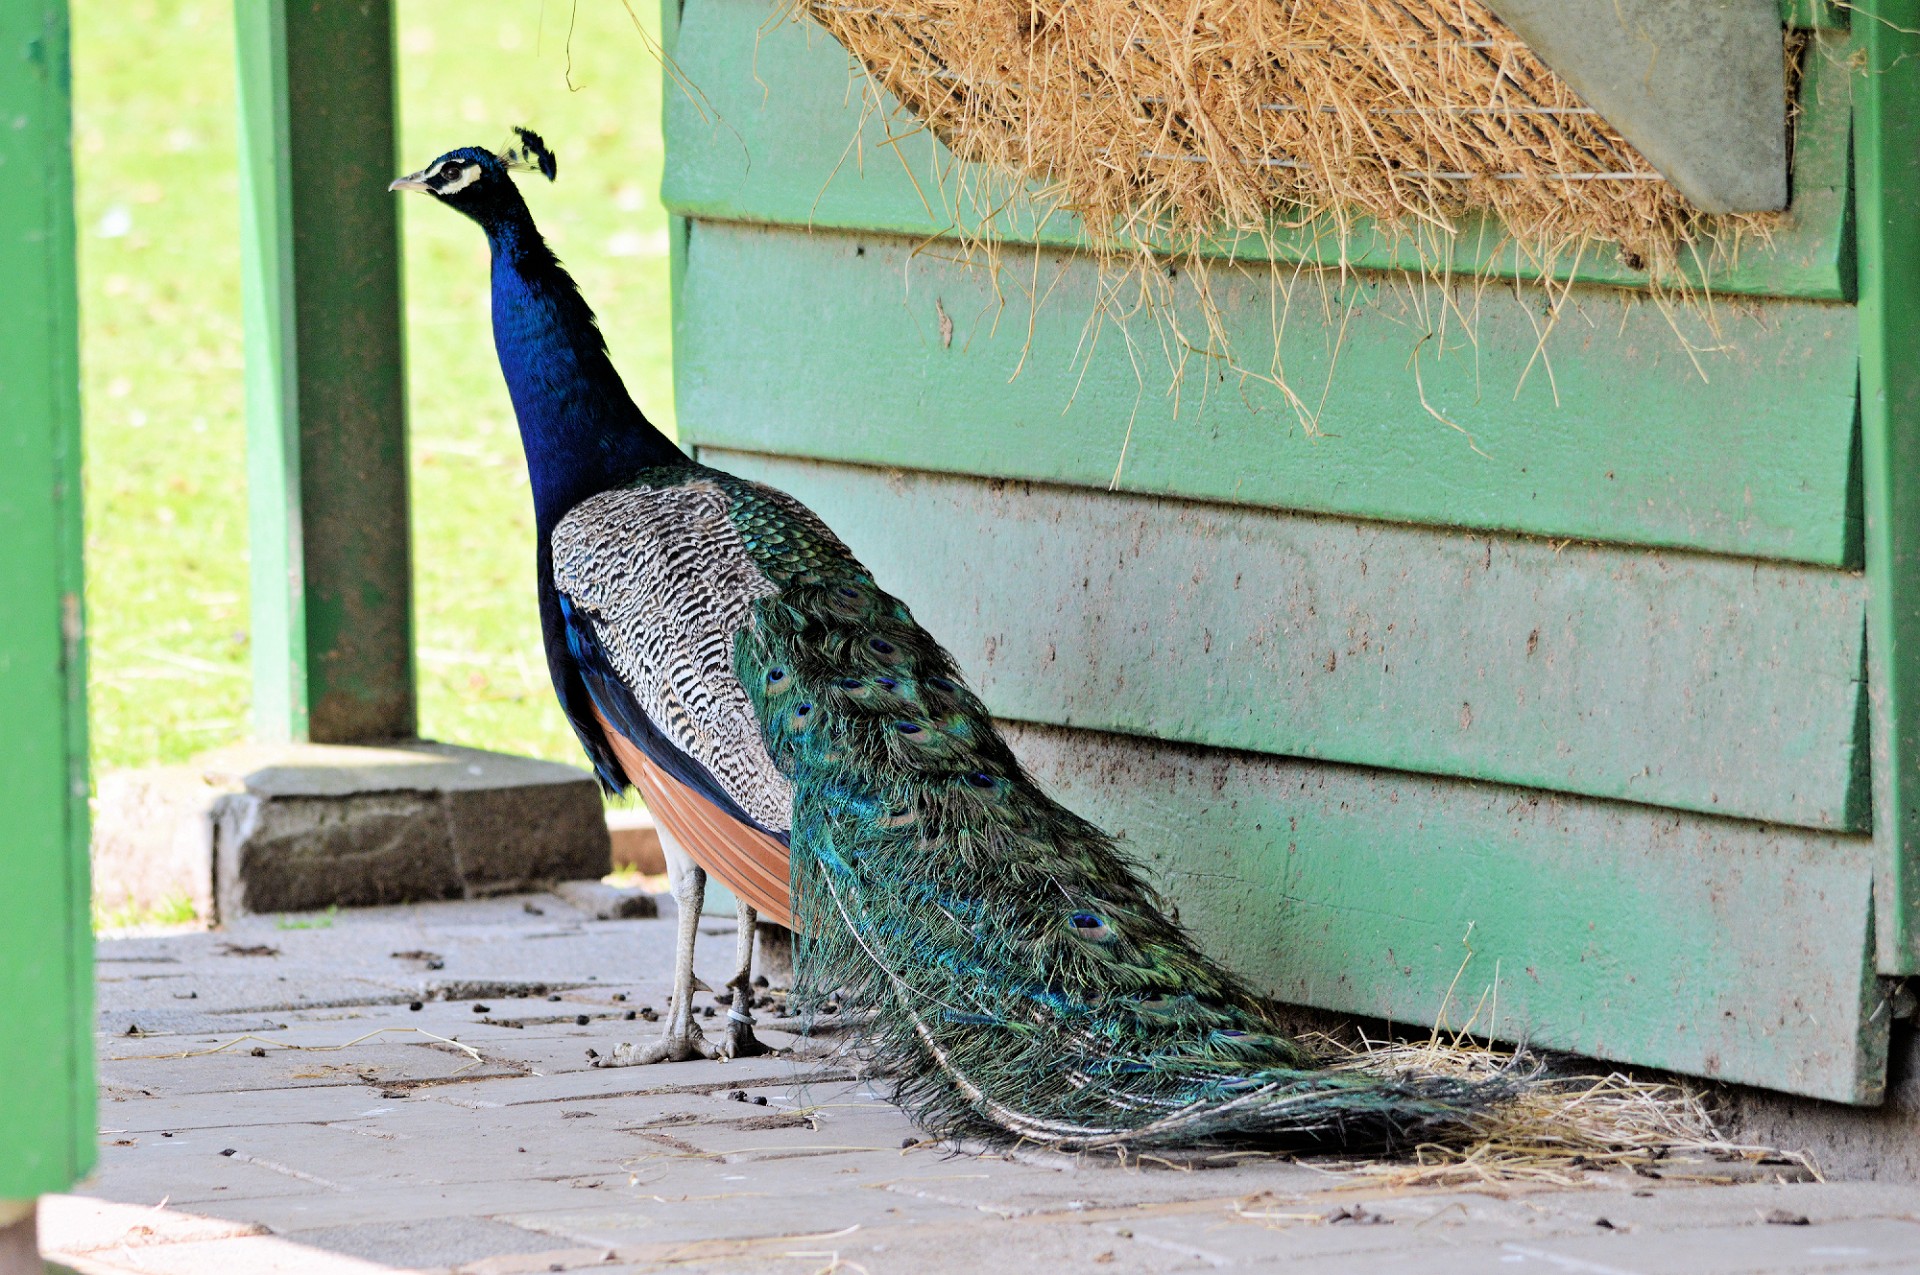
(46, 953)
(1582, 660)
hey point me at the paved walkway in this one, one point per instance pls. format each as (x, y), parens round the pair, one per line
(271, 1102)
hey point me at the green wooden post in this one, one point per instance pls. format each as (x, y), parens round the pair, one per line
(1887, 144)
(46, 953)
(326, 390)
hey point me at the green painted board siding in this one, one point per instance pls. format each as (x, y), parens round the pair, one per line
(46, 947)
(1676, 680)
(1710, 946)
(779, 134)
(1888, 134)
(326, 389)
(830, 346)
(1814, 15)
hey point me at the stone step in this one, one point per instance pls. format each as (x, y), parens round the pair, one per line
(287, 828)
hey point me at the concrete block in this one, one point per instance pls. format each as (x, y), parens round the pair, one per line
(312, 826)
(289, 854)
(529, 830)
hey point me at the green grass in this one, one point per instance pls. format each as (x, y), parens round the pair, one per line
(161, 351)
(173, 910)
(309, 921)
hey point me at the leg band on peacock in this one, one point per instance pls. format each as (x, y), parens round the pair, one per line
(740, 1041)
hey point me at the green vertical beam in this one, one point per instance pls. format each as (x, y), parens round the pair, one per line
(1887, 164)
(326, 389)
(679, 228)
(46, 947)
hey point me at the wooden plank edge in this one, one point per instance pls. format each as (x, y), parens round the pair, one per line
(1887, 170)
(1713, 947)
(1759, 515)
(1100, 685)
(1767, 271)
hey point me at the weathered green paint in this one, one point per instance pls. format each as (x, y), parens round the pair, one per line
(1565, 750)
(1814, 15)
(1676, 680)
(1888, 135)
(326, 394)
(830, 345)
(46, 947)
(1710, 946)
(779, 135)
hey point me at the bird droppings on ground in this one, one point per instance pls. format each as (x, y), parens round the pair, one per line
(380, 1136)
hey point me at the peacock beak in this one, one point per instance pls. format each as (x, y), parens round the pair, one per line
(412, 181)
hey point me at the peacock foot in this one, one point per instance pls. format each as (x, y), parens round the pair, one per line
(740, 1042)
(672, 1046)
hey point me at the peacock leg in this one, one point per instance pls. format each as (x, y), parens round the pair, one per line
(682, 1040)
(740, 1041)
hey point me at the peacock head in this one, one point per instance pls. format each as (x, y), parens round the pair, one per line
(477, 181)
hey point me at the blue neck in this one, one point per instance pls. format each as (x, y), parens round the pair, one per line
(580, 429)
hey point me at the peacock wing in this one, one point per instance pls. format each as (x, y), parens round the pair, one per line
(656, 585)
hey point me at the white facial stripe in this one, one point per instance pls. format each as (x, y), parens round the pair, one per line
(466, 177)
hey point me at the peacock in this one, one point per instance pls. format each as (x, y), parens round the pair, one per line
(800, 737)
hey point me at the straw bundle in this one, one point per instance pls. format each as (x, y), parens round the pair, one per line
(1171, 125)
(1560, 1129)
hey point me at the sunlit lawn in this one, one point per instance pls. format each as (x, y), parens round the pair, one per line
(161, 346)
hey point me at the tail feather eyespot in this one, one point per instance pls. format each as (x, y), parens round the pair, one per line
(1091, 927)
(848, 601)
(886, 651)
(917, 734)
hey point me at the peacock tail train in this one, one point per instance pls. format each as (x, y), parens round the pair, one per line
(1015, 974)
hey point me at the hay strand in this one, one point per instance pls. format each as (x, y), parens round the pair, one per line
(1172, 126)
(1558, 1131)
